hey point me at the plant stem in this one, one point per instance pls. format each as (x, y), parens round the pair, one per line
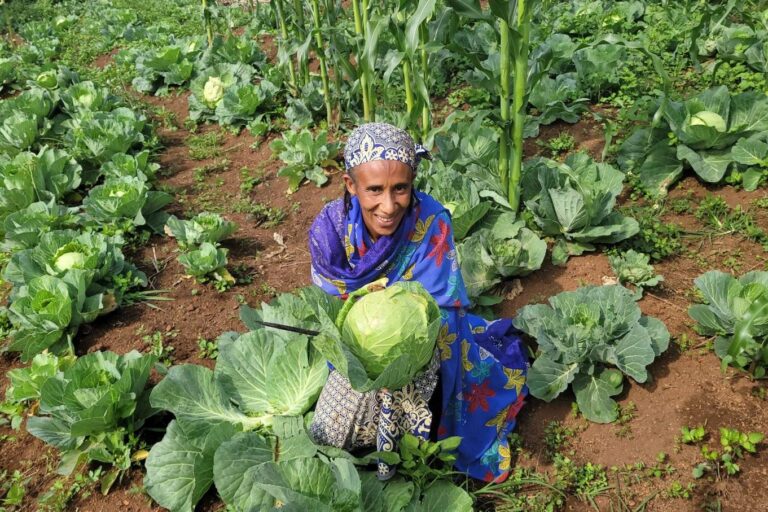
(300, 26)
(504, 140)
(207, 22)
(521, 74)
(284, 39)
(425, 113)
(408, 88)
(359, 30)
(323, 68)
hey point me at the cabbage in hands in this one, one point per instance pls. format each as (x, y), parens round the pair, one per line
(402, 319)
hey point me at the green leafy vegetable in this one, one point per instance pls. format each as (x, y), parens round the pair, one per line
(204, 227)
(398, 321)
(92, 409)
(703, 133)
(305, 157)
(736, 312)
(634, 268)
(574, 202)
(582, 335)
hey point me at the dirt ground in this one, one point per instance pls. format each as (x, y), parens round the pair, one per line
(687, 387)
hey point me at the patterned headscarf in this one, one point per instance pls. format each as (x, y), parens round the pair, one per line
(382, 141)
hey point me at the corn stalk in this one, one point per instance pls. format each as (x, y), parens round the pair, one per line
(323, 65)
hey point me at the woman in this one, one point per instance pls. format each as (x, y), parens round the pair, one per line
(384, 228)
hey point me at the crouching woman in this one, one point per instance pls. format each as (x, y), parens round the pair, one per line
(385, 228)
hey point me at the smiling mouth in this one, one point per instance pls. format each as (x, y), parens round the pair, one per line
(386, 221)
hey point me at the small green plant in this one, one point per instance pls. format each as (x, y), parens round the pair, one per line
(683, 342)
(657, 238)
(205, 146)
(63, 490)
(259, 213)
(634, 268)
(157, 343)
(305, 157)
(13, 488)
(425, 462)
(201, 173)
(473, 96)
(676, 490)
(208, 349)
(559, 145)
(556, 437)
(626, 413)
(692, 435)
(734, 446)
(249, 179)
(716, 214)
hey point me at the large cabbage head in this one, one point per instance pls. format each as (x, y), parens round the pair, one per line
(383, 325)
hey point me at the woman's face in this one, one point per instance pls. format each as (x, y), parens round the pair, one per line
(383, 188)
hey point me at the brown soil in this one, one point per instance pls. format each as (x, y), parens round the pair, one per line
(687, 387)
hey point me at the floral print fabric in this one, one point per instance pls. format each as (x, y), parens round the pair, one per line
(482, 365)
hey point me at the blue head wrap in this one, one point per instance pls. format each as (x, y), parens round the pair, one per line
(382, 141)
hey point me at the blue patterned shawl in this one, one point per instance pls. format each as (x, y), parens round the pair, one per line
(483, 366)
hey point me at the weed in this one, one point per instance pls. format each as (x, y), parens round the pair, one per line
(200, 173)
(681, 205)
(658, 238)
(248, 179)
(676, 490)
(268, 290)
(588, 481)
(556, 437)
(208, 349)
(473, 96)
(683, 342)
(691, 435)
(559, 145)
(63, 490)
(734, 446)
(156, 343)
(761, 202)
(259, 213)
(13, 488)
(715, 213)
(626, 414)
(206, 145)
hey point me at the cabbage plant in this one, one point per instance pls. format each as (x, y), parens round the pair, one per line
(126, 202)
(305, 156)
(98, 136)
(701, 133)
(24, 227)
(204, 227)
(49, 176)
(98, 257)
(85, 96)
(211, 84)
(634, 268)
(590, 338)
(736, 312)
(208, 262)
(91, 410)
(574, 201)
(505, 248)
(47, 311)
(382, 326)
(258, 380)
